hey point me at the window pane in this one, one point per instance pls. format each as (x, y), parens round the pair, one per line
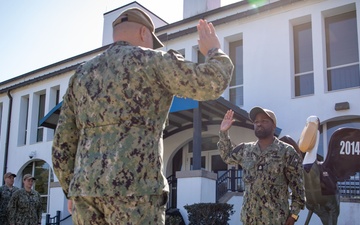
(237, 96)
(345, 77)
(41, 114)
(201, 57)
(341, 39)
(236, 55)
(304, 84)
(303, 48)
(42, 177)
(23, 120)
(57, 97)
(40, 134)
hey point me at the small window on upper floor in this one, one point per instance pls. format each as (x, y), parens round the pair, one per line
(342, 51)
(41, 114)
(236, 88)
(197, 56)
(303, 60)
(23, 120)
(54, 100)
(200, 57)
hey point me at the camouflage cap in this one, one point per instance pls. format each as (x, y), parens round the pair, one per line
(256, 110)
(9, 174)
(136, 15)
(28, 176)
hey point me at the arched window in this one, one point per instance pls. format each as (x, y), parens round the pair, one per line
(349, 189)
(330, 127)
(44, 176)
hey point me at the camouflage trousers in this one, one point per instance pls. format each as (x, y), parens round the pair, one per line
(133, 210)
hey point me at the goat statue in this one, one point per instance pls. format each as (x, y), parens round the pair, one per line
(320, 178)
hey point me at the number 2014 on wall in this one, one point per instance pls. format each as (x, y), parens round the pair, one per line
(350, 148)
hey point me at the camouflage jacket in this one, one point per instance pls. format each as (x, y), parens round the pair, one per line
(268, 175)
(108, 140)
(5, 195)
(25, 208)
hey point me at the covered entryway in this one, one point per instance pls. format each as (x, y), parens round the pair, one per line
(185, 146)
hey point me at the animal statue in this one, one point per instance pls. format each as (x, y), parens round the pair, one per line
(321, 177)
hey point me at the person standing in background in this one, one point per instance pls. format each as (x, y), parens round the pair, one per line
(25, 204)
(270, 168)
(108, 147)
(6, 192)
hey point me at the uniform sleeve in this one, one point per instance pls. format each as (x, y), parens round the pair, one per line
(199, 81)
(11, 208)
(229, 154)
(294, 174)
(65, 141)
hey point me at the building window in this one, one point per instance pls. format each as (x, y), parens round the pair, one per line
(200, 57)
(44, 176)
(41, 113)
(54, 96)
(23, 120)
(54, 100)
(342, 51)
(209, 155)
(350, 188)
(57, 98)
(303, 60)
(236, 87)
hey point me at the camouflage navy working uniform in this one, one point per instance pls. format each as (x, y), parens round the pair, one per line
(5, 195)
(267, 175)
(108, 141)
(25, 208)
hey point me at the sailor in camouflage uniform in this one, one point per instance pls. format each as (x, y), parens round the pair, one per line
(107, 149)
(270, 167)
(6, 192)
(25, 204)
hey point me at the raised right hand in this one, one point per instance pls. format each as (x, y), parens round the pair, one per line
(207, 37)
(227, 121)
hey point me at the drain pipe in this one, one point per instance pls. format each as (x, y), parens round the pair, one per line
(7, 133)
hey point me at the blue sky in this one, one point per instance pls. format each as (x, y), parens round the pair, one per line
(36, 33)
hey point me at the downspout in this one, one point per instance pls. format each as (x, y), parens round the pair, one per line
(7, 133)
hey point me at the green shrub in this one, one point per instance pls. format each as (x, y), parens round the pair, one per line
(173, 217)
(209, 213)
(173, 220)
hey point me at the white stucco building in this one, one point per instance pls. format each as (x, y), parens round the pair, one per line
(295, 57)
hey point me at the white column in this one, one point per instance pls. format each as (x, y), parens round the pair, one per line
(195, 186)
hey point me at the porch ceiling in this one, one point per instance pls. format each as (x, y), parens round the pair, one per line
(212, 112)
